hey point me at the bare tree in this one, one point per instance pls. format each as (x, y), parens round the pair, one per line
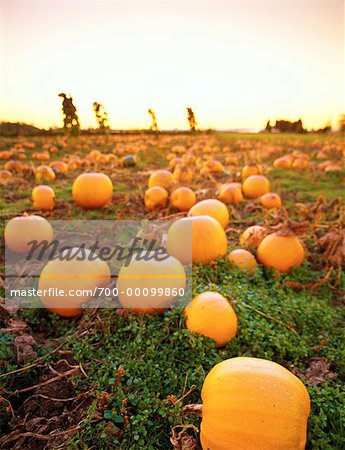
(154, 125)
(191, 119)
(71, 121)
(101, 115)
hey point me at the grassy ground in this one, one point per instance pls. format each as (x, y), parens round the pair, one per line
(131, 371)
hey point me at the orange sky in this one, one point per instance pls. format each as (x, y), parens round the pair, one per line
(237, 63)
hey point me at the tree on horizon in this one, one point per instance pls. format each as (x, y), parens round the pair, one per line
(154, 125)
(69, 111)
(191, 119)
(101, 115)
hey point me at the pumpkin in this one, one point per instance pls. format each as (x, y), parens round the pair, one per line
(19, 231)
(174, 162)
(59, 166)
(102, 159)
(5, 154)
(243, 260)
(14, 165)
(211, 315)
(92, 190)
(255, 186)
(251, 169)
(196, 239)
(182, 198)
(253, 403)
(156, 198)
(271, 200)
(214, 166)
(213, 208)
(300, 163)
(230, 194)
(77, 273)
(44, 173)
(75, 162)
(43, 197)
(281, 252)
(252, 236)
(140, 283)
(183, 174)
(299, 154)
(94, 155)
(284, 162)
(5, 174)
(128, 161)
(162, 178)
(41, 156)
(333, 168)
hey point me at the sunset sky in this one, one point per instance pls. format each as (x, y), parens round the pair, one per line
(237, 63)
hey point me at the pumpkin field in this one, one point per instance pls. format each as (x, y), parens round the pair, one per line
(254, 361)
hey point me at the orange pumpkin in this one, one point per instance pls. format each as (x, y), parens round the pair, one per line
(41, 156)
(94, 155)
(300, 163)
(243, 260)
(44, 173)
(333, 168)
(213, 208)
(253, 403)
(230, 194)
(271, 200)
(92, 190)
(5, 174)
(14, 165)
(284, 162)
(214, 166)
(148, 286)
(102, 159)
(251, 169)
(182, 198)
(196, 239)
(211, 315)
(281, 252)
(252, 236)
(75, 274)
(5, 154)
(156, 198)
(43, 197)
(255, 186)
(59, 166)
(182, 174)
(21, 230)
(162, 178)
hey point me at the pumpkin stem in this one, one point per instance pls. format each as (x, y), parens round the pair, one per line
(195, 409)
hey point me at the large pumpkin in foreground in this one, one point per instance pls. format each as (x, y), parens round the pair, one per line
(253, 404)
(92, 190)
(148, 286)
(211, 315)
(281, 252)
(198, 239)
